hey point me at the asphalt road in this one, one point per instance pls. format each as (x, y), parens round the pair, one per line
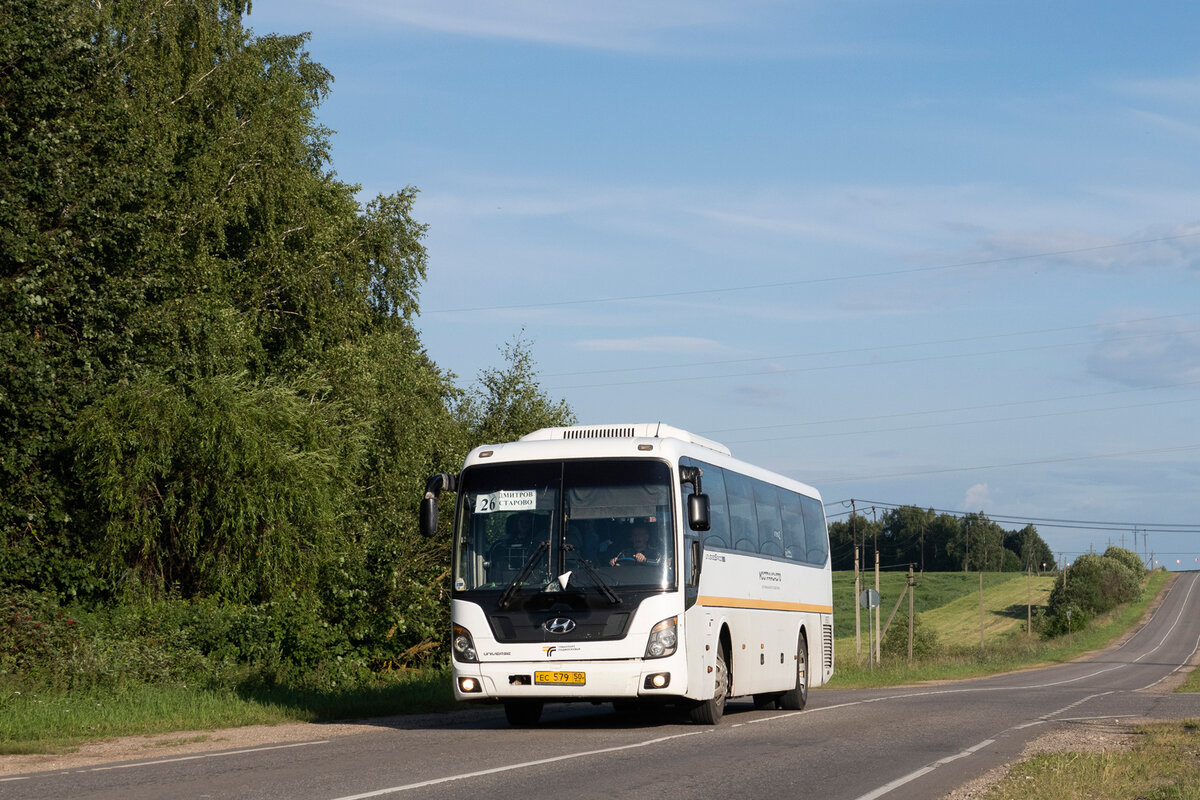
(852, 744)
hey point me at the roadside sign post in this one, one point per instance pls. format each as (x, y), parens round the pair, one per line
(869, 599)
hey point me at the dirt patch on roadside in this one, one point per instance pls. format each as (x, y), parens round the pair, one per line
(177, 744)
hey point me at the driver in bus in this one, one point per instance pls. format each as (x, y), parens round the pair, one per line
(642, 549)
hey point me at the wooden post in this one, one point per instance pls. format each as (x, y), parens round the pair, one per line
(912, 590)
(878, 608)
(857, 589)
(1029, 601)
(981, 609)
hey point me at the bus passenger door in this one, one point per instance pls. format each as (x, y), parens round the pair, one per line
(693, 561)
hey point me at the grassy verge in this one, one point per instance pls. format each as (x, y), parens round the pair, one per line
(1192, 684)
(48, 721)
(1164, 764)
(1001, 653)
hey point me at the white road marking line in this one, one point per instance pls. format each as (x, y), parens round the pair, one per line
(928, 768)
(222, 754)
(912, 776)
(510, 767)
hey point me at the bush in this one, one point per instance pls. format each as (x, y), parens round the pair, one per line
(895, 641)
(299, 643)
(1091, 586)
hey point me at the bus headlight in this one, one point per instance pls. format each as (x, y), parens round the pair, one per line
(463, 646)
(663, 639)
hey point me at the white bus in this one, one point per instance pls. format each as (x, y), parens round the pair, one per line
(633, 564)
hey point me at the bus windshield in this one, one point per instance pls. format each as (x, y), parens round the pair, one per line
(565, 526)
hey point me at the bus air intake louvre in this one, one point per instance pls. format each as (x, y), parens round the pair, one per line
(827, 646)
(644, 430)
(598, 433)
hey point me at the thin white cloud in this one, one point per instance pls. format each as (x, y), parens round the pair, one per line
(652, 344)
(623, 25)
(1170, 124)
(978, 498)
(760, 396)
(1182, 90)
(1148, 353)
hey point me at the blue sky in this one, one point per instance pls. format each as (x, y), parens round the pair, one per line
(941, 253)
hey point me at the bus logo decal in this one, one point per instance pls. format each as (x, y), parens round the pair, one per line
(548, 650)
(559, 625)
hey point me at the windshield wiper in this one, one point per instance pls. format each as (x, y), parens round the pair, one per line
(605, 589)
(522, 575)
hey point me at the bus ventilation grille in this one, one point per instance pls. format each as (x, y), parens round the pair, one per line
(827, 646)
(598, 433)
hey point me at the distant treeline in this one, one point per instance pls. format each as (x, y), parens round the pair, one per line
(937, 542)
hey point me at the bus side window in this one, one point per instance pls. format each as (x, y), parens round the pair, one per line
(743, 519)
(717, 534)
(770, 529)
(814, 527)
(795, 546)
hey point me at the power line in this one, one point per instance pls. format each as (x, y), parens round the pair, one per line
(826, 279)
(1049, 522)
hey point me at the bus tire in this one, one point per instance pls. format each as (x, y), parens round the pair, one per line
(523, 713)
(709, 712)
(796, 698)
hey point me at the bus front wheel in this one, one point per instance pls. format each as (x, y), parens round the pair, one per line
(523, 713)
(708, 712)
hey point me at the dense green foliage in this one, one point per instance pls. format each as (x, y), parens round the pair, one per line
(216, 413)
(938, 542)
(1092, 585)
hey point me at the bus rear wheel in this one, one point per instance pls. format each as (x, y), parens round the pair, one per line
(523, 713)
(796, 698)
(709, 712)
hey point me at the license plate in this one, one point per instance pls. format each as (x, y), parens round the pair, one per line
(560, 678)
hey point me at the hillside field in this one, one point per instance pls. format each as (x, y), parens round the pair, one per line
(947, 602)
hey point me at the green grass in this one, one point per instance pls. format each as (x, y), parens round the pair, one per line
(947, 602)
(1003, 651)
(1192, 684)
(1163, 765)
(41, 722)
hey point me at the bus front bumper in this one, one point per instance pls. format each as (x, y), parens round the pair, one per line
(571, 680)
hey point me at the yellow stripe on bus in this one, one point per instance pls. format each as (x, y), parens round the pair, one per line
(773, 605)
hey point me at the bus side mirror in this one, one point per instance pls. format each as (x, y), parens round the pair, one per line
(698, 512)
(429, 504)
(429, 516)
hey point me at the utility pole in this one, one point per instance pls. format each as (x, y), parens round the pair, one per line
(1029, 600)
(981, 609)
(878, 608)
(912, 590)
(857, 587)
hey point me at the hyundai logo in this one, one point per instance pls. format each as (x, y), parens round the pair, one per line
(559, 625)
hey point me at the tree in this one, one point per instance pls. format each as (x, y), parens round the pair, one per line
(508, 403)
(175, 248)
(1094, 584)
